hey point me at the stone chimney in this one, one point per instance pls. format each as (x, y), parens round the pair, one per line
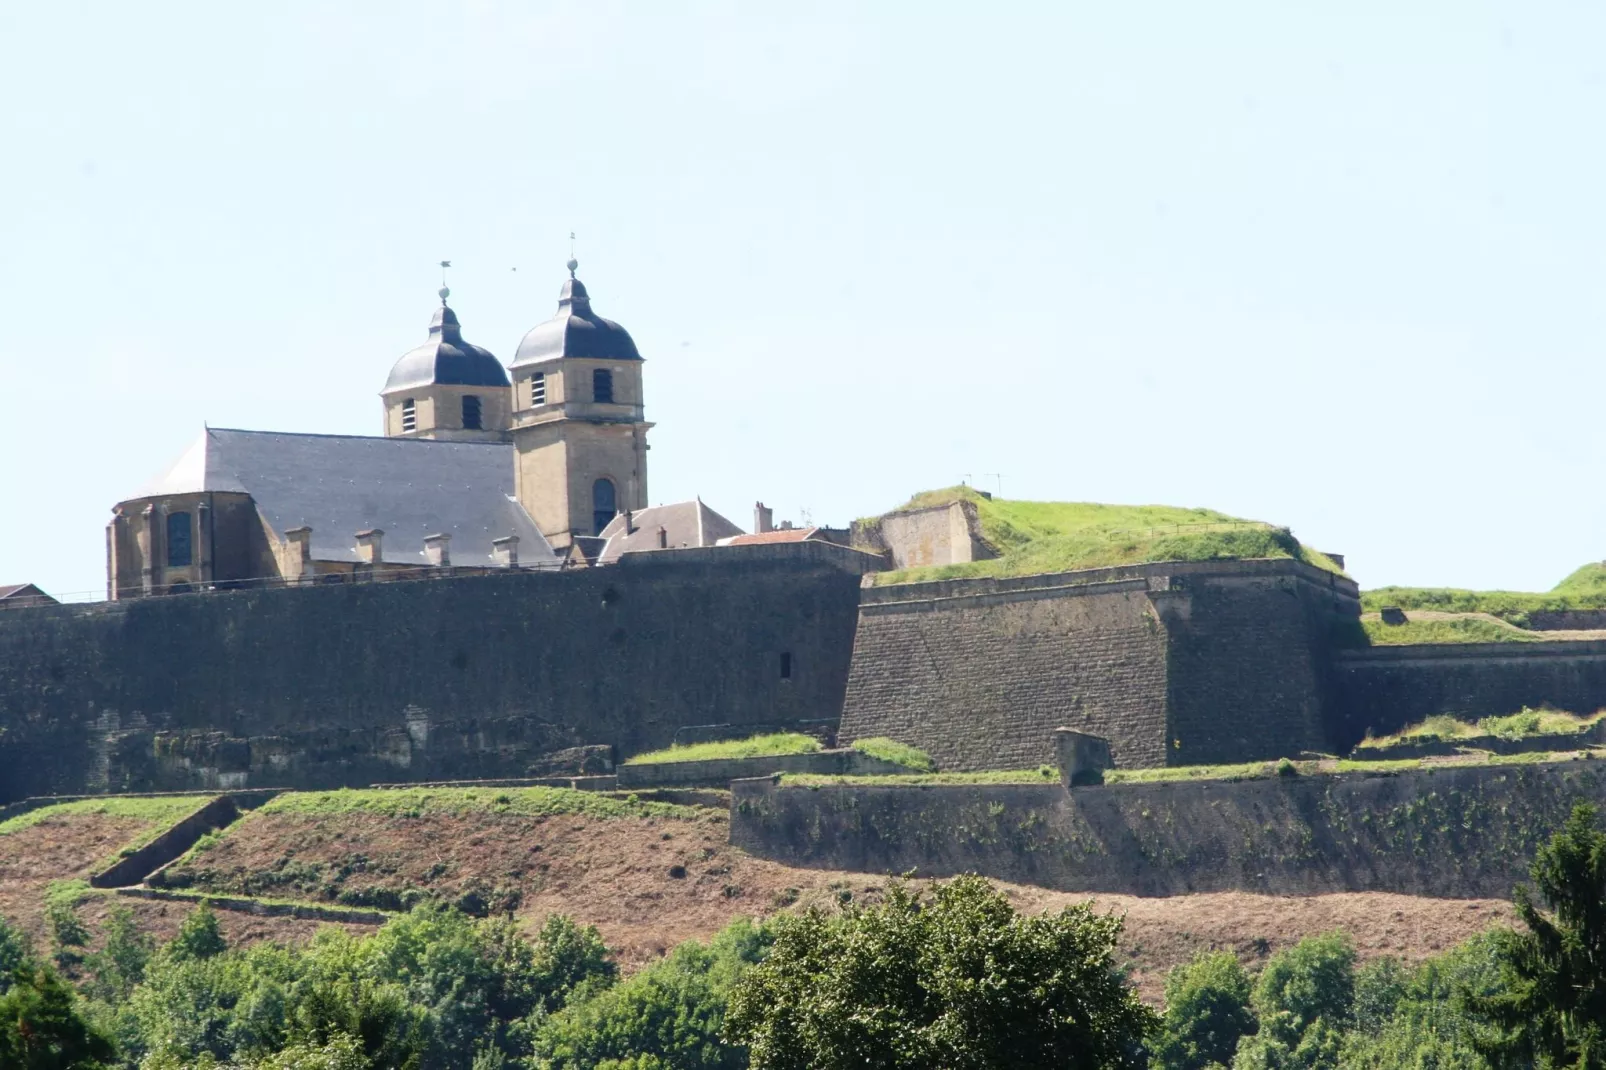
(630, 522)
(763, 518)
(368, 546)
(663, 538)
(297, 563)
(505, 551)
(438, 550)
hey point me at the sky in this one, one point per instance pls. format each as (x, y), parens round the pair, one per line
(1337, 266)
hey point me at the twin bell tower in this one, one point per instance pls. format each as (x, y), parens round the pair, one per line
(571, 405)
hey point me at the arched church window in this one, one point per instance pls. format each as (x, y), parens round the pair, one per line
(602, 386)
(602, 504)
(409, 415)
(179, 550)
(471, 412)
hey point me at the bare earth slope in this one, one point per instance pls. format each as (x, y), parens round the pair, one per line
(651, 882)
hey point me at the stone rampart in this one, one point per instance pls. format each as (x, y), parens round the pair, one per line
(1454, 832)
(1174, 663)
(1383, 689)
(441, 679)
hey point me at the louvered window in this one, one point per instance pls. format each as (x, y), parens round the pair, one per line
(409, 416)
(537, 389)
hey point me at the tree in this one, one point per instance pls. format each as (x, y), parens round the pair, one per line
(957, 982)
(14, 952)
(40, 1028)
(668, 1015)
(120, 963)
(199, 936)
(1552, 1010)
(1206, 1012)
(1304, 999)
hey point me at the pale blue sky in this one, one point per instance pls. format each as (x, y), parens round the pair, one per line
(1338, 266)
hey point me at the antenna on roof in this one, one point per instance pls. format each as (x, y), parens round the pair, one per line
(573, 263)
(445, 293)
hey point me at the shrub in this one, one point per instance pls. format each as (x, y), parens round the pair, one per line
(775, 743)
(1206, 1012)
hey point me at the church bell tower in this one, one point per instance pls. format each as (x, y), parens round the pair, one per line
(579, 430)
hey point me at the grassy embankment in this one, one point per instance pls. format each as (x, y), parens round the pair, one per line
(785, 743)
(1473, 628)
(1042, 537)
(1524, 724)
(157, 814)
(1584, 589)
(424, 802)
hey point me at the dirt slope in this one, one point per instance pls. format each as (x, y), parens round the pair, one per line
(650, 883)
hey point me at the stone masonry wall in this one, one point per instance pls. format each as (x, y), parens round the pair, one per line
(978, 678)
(1385, 688)
(1174, 663)
(433, 679)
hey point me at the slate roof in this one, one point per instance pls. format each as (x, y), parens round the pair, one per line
(685, 524)
(761, 538)
(25, 594)
(576, 331)
(446, 358)
(339, 485)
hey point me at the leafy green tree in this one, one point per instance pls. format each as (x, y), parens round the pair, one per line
(1206, 1012)
(67, 932)
(41, 1029)
(1552, 1010)
(199, 936)
(120, 964)
(668, 1015)
(1304, 1000)
(956, 982)
(15, 952)
(1416, 1020)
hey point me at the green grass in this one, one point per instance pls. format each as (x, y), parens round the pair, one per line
(158, 811)
(1520, 725)
(1045, 537)
(423, 802)
(1583, 589)
(1041, 775)
(1244, 771)
(890, 750)
(1469, 629)
(752, 747)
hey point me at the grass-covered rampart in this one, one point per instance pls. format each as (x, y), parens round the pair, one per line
(1041, 537)
(424, 802)
(775, 743)
(1584, 589)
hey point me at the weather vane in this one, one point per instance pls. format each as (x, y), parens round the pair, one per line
(445, 293)
(573, 263)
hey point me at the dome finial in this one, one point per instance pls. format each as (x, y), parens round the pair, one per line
(573, 263)
(444, 292)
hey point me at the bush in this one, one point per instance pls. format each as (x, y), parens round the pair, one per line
(1206, 1012)
(1304, 999)
(669, 1015)
(961, 980)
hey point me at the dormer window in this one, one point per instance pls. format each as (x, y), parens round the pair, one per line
(409, 416)
(471, 413)
(537, 389)
(602, 386)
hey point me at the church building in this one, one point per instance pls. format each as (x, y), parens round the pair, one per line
(542, 464)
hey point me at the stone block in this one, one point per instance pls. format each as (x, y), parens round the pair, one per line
(1082, 757)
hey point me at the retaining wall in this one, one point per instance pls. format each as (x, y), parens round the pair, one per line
(1465, 831)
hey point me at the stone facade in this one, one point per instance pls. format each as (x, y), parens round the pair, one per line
(1179, 663)
(941, 535)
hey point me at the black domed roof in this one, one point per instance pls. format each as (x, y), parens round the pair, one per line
(446, 359)
(576, 331)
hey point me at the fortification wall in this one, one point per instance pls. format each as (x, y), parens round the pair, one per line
(1385, 688)
(434, 679)
(1465, 831)
(1173, 663)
